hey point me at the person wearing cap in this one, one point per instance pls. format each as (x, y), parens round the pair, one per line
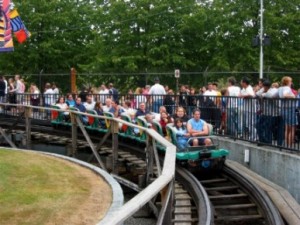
(157, 91)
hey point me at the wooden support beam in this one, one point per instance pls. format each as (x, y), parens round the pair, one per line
(103, 140)
(74, 133)
(157, 162)
(28, 127)
(115, 145)
(7, 139)
(149, 159)
(87, 137)
(165, 215)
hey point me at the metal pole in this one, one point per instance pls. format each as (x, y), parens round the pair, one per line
(261, 39)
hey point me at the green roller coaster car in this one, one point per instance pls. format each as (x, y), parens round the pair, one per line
(199, 157)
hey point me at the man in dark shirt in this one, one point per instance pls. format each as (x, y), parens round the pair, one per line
(81, 108)
(141, 111)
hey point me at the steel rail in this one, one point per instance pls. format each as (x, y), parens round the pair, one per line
(271, 213)
(198, 193)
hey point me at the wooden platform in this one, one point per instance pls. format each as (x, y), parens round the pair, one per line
(286, 204)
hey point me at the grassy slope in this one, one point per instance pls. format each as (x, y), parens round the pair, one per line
(29, 182)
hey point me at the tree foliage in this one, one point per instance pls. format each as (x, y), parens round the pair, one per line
(130, 36)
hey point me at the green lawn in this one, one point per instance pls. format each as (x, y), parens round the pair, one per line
(36, 189)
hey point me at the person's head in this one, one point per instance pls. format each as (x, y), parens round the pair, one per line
(10, 80)
(98, 105)
(203, 89)
(142, 106)
(182, 88)
(180, 112)
(47, 85)
(102, 87)
(110, 85)
(147, 87)
(231, 81)
(149, 118)
(215, 86)
(260, 82)
(132, 115)
(156, 80)
(170, 92)
(196, 114)
(78, 100)
(53, 85)
(192, 91)
(178, 122)
(89, 99)
(210, 86)
(286, 81)
(266, 85)
(108, 102)
(69, 97)
(166, 88)
(61, 99)
(163, 115)
(127, 104)
(17, 77)
(245, 82)
(114, 104)
(138, 91)
(275, 85)
(162, 109)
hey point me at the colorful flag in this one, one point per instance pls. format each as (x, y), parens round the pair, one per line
(6, 42)
(18, 27)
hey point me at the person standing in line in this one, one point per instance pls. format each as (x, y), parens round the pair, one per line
(2, 92)
(103, 94)
(113, 92)
(48, 98)
(233, 126)
(249, 108)
(288, 109)
(6, 89)
(157, 91)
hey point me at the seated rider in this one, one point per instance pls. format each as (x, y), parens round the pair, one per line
(182, 135)
(197, 128)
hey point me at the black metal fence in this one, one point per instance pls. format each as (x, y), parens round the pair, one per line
(265, 121)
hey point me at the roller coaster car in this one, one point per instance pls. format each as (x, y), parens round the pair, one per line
(199, 158)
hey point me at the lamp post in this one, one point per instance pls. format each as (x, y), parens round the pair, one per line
(261, 40)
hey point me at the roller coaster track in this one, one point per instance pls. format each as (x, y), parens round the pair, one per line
(225, 198)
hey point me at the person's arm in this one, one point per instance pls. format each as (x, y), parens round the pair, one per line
(195, 133)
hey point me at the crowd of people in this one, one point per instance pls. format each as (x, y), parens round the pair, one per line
(263, 112)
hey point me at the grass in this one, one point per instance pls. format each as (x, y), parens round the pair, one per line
(34, 189)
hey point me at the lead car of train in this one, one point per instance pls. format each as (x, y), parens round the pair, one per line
(198, 158)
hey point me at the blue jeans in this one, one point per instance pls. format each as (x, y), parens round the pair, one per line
(156, 104)
(233, 121)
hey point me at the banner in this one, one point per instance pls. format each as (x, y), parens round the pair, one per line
(6, 42)
(18, 27)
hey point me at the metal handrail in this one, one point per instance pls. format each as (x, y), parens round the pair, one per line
(141, 199)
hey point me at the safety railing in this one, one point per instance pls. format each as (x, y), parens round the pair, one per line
(163, 184)
(267, 121)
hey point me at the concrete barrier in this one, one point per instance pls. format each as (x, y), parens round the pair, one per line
(279, 167)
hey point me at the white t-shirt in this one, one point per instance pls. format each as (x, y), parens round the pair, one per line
(249, 104)
(233, 91)
(157, 89)
(49, 97)
(103, 95)
(89, 106)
